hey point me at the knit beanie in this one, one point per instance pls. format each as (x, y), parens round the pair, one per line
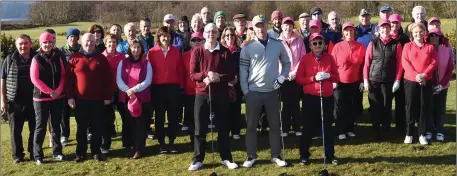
(46, 37)
(73, 31)
(276, 14)
(218, 14)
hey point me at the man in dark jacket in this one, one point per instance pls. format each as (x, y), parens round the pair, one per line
(16, 93)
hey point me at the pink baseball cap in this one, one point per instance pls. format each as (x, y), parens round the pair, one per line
(134, 106)
(435, 31)
(315, 35)
(432, 19)
(46, 37)
(288, 19)
(314, 23)
(196, 35)
(395, 18)
(383, 21)
(348, 24)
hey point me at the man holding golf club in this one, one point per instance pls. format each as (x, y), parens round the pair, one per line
(260, 84)
(317, 72)
(212, 68)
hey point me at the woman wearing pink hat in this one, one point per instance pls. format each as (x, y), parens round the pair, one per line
(348, 55)
(441, 78)
(382, 74)
(419, 62)
(47, 73)
(290, 90)
(133, 77)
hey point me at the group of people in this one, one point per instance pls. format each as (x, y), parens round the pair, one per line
(204, 69)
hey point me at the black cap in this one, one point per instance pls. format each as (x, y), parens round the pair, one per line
(184, 18)
(239, 15)
(316, 10)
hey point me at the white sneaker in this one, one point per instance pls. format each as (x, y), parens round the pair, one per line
(284, 134)
(279, 162)
(351, 134)
(298, 133)
(408, 140)
(440, 137)
(51, 144)
(229, 164)
(195, 166)
(249, 162)
(342, 136)
(150, 136)
(58, 157)
(184, 128)
(104, 151)
(64, 141)
(428, 136)
(236, 136)
(423, 140)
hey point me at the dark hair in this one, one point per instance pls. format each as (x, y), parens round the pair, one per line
(23, 36)
(131, 43)
(51, 31)
(145, 19)
(161, 31)
(95, 26)
(118, 25)
(440, 40)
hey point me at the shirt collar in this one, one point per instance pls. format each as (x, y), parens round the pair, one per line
(207, 47)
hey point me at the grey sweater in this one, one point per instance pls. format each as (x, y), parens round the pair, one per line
(259, 65)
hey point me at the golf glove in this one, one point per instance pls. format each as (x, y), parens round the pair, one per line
(321, 76)
(292, 76)
(361, 87)
(437, 89)
(396, 86)
(278, 82)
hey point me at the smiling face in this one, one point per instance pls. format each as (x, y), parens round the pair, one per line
(111, 44)
(206, 15)
(170, 24)
(260, 30)
(304, 22)
(220, 21)
(165, 40)
(434, 38)
(384, 30)
(418, 34)
(130, 32)
(136, 50)
(73, 40)
(384, 14)
(211, 33)
(23, 45)
(317, 45)
(239, 23)
(365, 20)
(418, 14)
(229, 37)
(333, 19)
(116, 30)
(88, 42)
(288, 27)
(349, 34)
(145, 27)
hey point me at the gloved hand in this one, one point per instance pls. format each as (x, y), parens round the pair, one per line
(321, 76)
(292, 76)
(361, 87)
(437, 89)
(366, 84)
(278, 82)
(396, 86)
(335, 85)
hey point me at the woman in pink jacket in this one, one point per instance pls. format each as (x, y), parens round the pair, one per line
(349, 57)
(47, 74)
(134, 76)
(441, 78)
(290, 90)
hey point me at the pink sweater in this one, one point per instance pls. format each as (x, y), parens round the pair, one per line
(296, 50)
(445, 66)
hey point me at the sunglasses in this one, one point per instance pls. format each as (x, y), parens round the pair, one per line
(230, 35)
(196, 40)
(318, 43)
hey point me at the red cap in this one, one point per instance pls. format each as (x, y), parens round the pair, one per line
(196, 35)
(314, 23)
(315, 35)
(395, 18)
(348, 24)
(383, 21)
(435, 31)
(46, 37)
(288, 19)
(134, 106)
(432, 19)
(276, 14)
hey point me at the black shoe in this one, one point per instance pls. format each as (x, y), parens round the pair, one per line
(98, 158)
(79, 159)
(163, 149)
(263, 131)
(173, 149)
(18, 160)
(304, 161)
(129, 153)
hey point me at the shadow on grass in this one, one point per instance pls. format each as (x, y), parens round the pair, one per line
(429, 160)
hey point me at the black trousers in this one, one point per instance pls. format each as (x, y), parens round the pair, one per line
(344, 95)
(138, 130)
(418, 99)
(17, 115)
(166, 99)
(358, 104)
(219, 107)
(234, 112)
(108, 126)
(189, 106)
(290, 113)
(65, 123)
(380, 98)
(312, 119)
(86, 110)
(400, 108)
(44, 109)
(181, 109)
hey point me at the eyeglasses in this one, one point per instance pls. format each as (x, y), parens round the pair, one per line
(196, 40)
(230, 35)
(318, 43)
(212, 32)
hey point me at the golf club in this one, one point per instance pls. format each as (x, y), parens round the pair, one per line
(211, 117)
(282, 137)
(323, 172)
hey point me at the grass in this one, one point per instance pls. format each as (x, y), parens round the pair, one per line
(358, 155)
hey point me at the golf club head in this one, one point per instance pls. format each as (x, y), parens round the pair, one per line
(283, 174)
(323, 172)
(213, 174)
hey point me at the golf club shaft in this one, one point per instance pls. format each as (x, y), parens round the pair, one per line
(322, 123)
(211, 116)
(280, 120)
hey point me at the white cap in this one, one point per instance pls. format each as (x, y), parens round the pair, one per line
(169, 17)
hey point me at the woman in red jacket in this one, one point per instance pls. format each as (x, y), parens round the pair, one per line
(134, 75)
(382, 74)
(419, 62)
(348, 55)
(317, 72)
(166, 87)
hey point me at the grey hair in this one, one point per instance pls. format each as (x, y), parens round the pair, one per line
(196, 16)
(420, 8)
(128, 25)
(210, 26)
